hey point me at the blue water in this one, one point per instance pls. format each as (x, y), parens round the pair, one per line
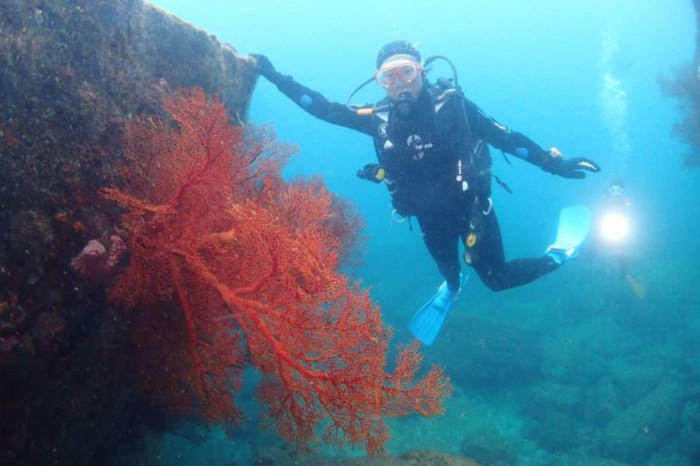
(579, 75)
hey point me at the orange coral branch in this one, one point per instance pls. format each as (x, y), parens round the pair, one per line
(216, 232)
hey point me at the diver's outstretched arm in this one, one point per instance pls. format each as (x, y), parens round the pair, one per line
(519, 145)
(311, 101)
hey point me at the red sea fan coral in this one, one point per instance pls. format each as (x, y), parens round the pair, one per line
(228, 263)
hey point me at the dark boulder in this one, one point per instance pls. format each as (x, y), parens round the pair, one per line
(72, 72)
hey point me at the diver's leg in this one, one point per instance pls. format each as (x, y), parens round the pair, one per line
(440, 235)
(441, 240)
(622, 265)
(489, 259)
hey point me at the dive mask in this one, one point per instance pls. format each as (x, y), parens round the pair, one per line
(406, 72)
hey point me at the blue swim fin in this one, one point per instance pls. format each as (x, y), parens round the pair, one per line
(427, 321)
(574, 224)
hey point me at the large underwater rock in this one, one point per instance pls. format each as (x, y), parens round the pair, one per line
(493, 355)
(72, 72)
(286, 457)
(647, 425)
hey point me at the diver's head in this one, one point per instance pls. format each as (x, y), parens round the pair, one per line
(398, 47)
(399, 72)
(616, 189)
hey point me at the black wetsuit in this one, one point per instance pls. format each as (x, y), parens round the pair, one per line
(438, 169)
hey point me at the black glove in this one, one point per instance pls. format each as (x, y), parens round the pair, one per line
(371, 172)
(264, 67)
(569, 168)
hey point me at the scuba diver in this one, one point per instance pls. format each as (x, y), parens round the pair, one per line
(614, 228)
(432, 151)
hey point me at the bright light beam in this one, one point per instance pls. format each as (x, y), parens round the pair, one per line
(614, 227)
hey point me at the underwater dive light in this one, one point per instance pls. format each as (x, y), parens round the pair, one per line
(614, 227)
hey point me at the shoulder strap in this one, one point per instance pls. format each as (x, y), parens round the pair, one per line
(448, 93)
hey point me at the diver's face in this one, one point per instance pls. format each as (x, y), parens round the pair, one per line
(400, 74)
(615, 192)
